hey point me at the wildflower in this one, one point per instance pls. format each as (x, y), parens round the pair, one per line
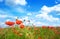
(10, 23)
(35, 28)
(18, 21)
(28, 28)
(39, 38)
(50, 27)
(43, 27)
(22, 26)
(16, 32)
(20, 34)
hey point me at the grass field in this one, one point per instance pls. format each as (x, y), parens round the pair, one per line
(30, 33)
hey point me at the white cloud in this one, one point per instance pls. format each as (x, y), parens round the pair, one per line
(15, 2)
(44, 14)
(29, 23)
(56, 8)
(21, 2)
(25, 17)
(8, 20)
(3, 25)
(46, 10)
(47, 17)
(26, 20)
(3, 16)
(40, 23)
(9, 2)
(2, 12)
(26, 23)
(20, 10)
(29, 14)
(15, 5)
(7, 16)
(32, 21)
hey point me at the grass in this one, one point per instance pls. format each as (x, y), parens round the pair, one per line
(30, 33)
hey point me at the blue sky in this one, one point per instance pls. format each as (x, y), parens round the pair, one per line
(39, 12)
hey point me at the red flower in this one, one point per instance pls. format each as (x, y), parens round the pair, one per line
(39, 38)
(18, 22)
(51, 27)
(35, 28)
(22, 26)
(9, 23)
(43, 27)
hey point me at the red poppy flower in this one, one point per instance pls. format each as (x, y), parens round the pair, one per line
(35, 28)
(50, 27)
(22, 26)
(43, 27)
(9, 23)
(39, 38)
(18, 22)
